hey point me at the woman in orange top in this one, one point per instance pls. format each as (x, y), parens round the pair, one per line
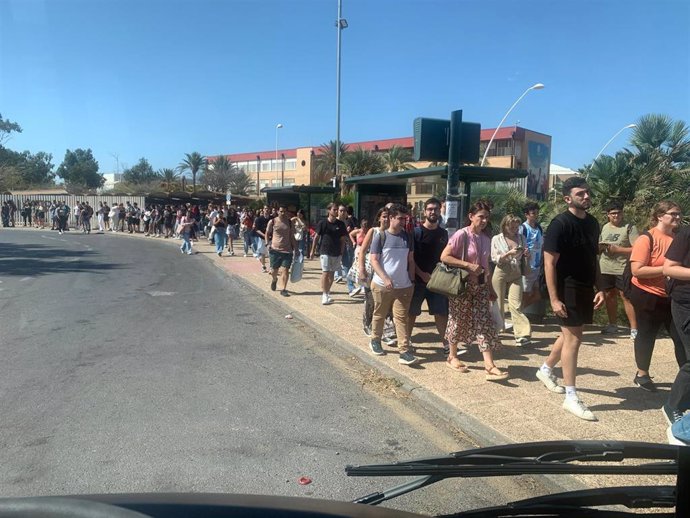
(652, 304)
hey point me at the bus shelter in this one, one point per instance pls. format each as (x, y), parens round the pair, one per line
(311, 198)
(376, 190)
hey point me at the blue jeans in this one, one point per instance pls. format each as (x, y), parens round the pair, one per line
(186, 243)
(220, 239)
(247, 241)
(346, 264)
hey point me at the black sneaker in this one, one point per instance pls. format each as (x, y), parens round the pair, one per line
(375, 346)
(446, 348)
(672, 415)
(284, 293)
(274, 283)
(367, 330)
(407, 358)
(645, 382)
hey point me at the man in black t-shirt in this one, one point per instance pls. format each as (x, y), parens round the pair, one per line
(570, 266)
(429, 241)
(330, 235)
(259, 237)
(677, 267)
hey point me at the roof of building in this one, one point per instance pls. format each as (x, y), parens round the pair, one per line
(556, 169)
(369, 145)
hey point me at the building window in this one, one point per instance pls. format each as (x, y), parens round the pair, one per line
(424, 188)
(501, 148)
(252, 167)
(265, 165)
(289, 181)
(290, 164)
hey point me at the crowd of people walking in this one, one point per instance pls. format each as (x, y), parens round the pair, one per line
(574, 264)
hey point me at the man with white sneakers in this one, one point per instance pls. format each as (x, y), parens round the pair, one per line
(330, 239)
(570, 264)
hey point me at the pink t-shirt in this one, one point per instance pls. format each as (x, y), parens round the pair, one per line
(478, 247)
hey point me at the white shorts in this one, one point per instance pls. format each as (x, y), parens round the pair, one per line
(330, 263)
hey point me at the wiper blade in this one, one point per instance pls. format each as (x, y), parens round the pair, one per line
(552, 457)
(538, 458)
(639, 497)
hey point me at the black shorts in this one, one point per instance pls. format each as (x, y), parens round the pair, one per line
(610, 282)
(438, 304)
(579, 303)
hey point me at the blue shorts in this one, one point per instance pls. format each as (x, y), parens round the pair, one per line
(438, 304)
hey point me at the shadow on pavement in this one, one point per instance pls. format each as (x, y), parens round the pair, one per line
(37, 259)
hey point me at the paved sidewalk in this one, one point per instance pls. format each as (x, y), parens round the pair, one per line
(520, 409)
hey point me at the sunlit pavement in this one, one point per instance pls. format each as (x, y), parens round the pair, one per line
(517, 410)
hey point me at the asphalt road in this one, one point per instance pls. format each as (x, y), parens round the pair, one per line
(129, 367)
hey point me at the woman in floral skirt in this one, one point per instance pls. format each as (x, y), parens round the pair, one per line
(469, 318)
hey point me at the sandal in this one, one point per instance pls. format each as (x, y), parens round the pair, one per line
(457, 365)
(495, 374)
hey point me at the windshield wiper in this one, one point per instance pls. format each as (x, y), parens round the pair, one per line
(540, 458)
(638, 497)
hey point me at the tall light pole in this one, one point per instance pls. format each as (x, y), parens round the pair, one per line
(537, 86)
(613, 138)
(278, 126)
(341, 23)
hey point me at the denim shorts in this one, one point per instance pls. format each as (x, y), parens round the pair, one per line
(438, 304)
(280, 259)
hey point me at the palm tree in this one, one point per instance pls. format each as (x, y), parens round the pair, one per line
(218, 174)
(240, 182)
(362, 162)
(169, 179)
(324, 162)
(613, 178)
(658, 135)
(397, 158)
(193, 162)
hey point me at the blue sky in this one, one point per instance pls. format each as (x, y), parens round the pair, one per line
(160, 78)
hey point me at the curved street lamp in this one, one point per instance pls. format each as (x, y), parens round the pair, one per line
(537, 86)
(278, 126)
(612, 139)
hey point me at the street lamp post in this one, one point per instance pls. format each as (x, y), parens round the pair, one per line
(613, 138)
(537, 86)
(341, 23)
(278, 126)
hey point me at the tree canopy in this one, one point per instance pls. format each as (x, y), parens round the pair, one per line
(142, 172)
(79, 169)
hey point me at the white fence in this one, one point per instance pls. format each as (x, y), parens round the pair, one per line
(71, 201)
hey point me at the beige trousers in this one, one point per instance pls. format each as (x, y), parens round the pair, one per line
(511, 282)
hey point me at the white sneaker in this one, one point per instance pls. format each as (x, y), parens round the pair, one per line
(633, 334)
(673, 440)
(579, 409)
(550, 382)
(326, 300)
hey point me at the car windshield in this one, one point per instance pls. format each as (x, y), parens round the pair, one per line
(246, 244)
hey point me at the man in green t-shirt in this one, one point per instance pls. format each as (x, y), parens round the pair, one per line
(615, 246)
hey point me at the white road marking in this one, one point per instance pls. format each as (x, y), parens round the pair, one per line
(25, 279)
(161, 293)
